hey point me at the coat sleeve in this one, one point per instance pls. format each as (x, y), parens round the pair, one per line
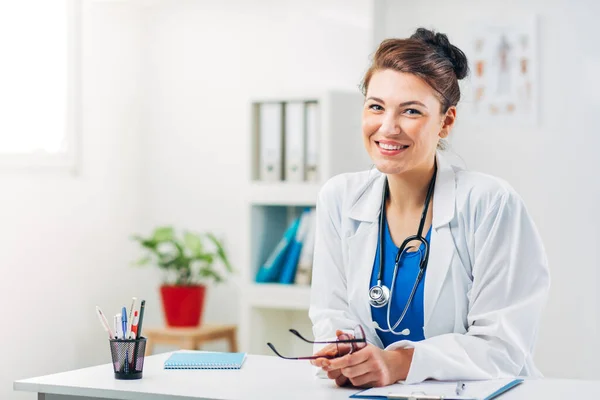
(329, 309)
(510, 287)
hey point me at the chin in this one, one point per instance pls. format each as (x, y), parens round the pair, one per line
(391, 168)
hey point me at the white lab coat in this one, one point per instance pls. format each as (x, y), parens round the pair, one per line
(486, 284)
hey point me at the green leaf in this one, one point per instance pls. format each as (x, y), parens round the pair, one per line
(220, 251)
(193, 242)
(163, 234)
(143, 261)
(207, 272)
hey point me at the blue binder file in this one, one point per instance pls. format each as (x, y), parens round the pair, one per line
(290, 264)
(205, 360)
(270, 271)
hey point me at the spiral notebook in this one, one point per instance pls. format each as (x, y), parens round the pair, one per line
(205, 360)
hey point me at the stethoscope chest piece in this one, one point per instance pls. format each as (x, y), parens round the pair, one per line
(379, 296)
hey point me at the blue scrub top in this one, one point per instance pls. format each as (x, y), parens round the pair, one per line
(408, 269)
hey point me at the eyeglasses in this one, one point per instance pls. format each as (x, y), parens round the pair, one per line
(345, 344)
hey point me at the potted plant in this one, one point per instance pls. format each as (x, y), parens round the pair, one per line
(188, 263)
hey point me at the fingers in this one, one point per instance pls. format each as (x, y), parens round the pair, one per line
(351, 359)
(342, 381)
(334, 374)
(367, 380)
(321, 363)
(330, 350)
(356, 370)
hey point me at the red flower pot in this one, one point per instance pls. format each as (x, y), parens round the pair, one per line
(183, 305)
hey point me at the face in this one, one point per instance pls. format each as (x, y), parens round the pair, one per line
(402, 122)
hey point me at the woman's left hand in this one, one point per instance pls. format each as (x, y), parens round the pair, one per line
(372, 366)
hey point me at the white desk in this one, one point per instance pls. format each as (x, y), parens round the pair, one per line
(261, 377)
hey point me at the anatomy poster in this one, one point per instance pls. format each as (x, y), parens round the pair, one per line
(504, 65)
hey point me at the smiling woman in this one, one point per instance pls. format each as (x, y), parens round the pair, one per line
(461, 298)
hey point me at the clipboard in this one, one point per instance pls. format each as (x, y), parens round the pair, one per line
(474, 390)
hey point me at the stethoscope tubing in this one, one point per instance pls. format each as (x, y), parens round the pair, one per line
(424, 260)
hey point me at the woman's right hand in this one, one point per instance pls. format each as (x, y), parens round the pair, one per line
(333, 350)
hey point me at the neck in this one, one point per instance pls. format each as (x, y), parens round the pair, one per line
(408, 191)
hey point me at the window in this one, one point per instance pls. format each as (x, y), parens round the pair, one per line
(39, 82)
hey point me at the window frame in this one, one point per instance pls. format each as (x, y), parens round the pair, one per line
(68, 160)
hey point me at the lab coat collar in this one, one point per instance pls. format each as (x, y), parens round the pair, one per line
(366, 206)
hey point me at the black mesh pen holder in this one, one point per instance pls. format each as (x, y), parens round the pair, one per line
(128, 357)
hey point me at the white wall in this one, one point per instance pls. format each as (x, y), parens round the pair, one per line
(65, 239)
(202, 62)
(552, 166)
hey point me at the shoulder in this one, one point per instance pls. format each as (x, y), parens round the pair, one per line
(483, 192)
(344, 189)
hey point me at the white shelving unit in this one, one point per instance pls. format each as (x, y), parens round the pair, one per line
(268, 311)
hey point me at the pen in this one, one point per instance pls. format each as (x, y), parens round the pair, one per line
(134, 325)
(460, 387)
(138, 332)
(130, 317)
(139, 327)
(118, 327)
(124, 322)
(104, 322)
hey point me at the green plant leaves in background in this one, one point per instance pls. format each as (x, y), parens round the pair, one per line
(163, 234)
(187, 258)
(193, 242)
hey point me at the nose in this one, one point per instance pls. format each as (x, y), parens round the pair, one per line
(389, 124)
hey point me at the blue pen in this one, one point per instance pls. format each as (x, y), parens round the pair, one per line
(124, 322)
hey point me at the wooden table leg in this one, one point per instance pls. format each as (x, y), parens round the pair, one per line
(231, 337)
(188, 344)
(149, 347)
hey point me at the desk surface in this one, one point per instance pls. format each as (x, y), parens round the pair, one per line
(261, 377)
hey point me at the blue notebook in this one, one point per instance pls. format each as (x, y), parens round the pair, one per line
(205, 360)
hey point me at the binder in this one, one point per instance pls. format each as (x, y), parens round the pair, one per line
(270, 271)
(270, 126)
(305, 261)
(204, 360)
(288, 272)
(312, 142)
(295, 134)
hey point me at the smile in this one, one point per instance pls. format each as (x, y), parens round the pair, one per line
(389, 149)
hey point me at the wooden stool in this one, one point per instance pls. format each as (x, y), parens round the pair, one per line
(190, 338)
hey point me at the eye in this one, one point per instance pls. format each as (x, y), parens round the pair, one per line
(413, 111)
(375, 107)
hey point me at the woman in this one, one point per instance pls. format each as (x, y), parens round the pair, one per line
(465, 299)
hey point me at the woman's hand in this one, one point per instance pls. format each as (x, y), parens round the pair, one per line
(370, 366)
(331, 350)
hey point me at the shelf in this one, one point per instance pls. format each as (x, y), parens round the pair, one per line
(277, 296)
(284, 193)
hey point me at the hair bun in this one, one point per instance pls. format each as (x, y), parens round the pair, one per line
(440, 42)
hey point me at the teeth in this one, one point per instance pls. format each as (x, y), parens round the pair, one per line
(390, 146)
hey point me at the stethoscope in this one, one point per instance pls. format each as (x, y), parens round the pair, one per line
(380, 295)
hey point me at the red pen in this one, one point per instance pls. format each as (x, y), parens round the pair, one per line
(134, 325)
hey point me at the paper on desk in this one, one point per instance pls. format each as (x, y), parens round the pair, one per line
(447, 390)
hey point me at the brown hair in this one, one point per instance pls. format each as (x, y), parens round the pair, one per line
(428, 55)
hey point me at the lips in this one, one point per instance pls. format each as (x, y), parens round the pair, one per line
(388, 147)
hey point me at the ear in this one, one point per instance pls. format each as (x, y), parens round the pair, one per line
(447, 122)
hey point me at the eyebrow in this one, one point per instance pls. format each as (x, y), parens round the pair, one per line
(406, 103)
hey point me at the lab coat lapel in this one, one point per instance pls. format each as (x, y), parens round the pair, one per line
(442, 244)
(362, 247)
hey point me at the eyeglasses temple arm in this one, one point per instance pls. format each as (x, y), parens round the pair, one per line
(276, 352)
